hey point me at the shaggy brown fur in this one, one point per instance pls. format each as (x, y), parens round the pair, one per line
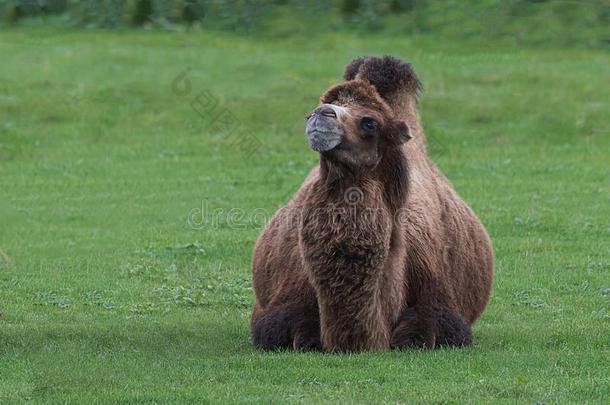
(376, 250)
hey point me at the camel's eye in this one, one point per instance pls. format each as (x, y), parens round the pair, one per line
(369, 124)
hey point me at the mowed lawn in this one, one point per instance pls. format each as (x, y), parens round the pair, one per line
(128, 213)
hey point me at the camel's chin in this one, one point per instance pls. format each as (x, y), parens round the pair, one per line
(323, 141)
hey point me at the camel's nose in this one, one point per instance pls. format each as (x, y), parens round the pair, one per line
(323, 129)
(325, 111)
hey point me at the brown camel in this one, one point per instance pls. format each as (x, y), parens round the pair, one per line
(376, 250)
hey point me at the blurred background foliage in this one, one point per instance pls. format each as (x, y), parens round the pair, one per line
(559, 22)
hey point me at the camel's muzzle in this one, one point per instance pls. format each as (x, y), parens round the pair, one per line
(323, 129)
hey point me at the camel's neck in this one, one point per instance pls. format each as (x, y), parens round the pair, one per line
(390, 177)
(346, 237)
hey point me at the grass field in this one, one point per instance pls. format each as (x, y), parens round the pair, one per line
(113, 288)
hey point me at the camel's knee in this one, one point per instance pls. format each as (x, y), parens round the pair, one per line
(415, 328)
(429, 328)
(271, 331)
(287, 328)
(453, 330)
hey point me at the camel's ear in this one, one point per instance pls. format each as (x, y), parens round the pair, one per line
(401, 133)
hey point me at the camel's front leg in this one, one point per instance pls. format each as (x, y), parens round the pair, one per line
(426, 327)
(288, 324)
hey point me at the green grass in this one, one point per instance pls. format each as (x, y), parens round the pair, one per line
(111, 289)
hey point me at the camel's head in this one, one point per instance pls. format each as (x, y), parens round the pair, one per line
(355, 124)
